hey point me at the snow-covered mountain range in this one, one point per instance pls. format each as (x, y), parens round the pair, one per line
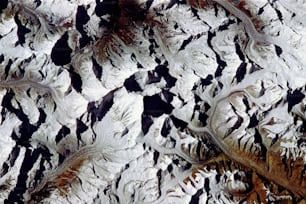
(152, 101)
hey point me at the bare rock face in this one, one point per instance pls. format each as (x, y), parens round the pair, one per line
(152, 101)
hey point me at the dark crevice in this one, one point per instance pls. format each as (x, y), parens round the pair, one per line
(207, 81)
(21, 31)
(226, 25)
(38, 3)
(3, 5)
(7, 68)
(76, 80)
(260, 11)
(131, 84)
(203, 118)
(97, 69)
(155, 106)
(62, 133)
(162, 70)
(98, 111)
(294, 98)
(155, 157)
(146, 122)
(107, 7)
(239, 51)
(166, 128)
(253, 121)
(235, 126)
(61, 52)
(178, 123)
(10, 161)
(241, 71)
(185, 43)
(278, 50)
(81, 19)
(80, 128)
